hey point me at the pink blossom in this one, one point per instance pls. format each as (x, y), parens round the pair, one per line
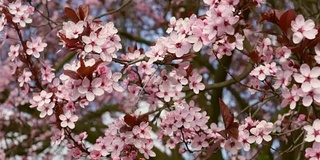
(43, 98)
(14, 51)
(116, 147)
(313, 132)
(21, 13)
(3, 21)
(310, 96)
(178, 45)
(283, 79)
(35, 47)
(22, 20)
(146, 151)
(302, 28)
(232, 146)
(262, 131)
(76, 152)
(93, 43)
(308, 78)
(260, 72)
(199, 142)
(72, 30)
(314, 152)
(195, 83)
(24, 78)
(46, 109)
(290, 97)
(146, 68)
(283, 53)
(95, 154)
(246, 139)
(165, 92)
(91, 90)
(68, 119)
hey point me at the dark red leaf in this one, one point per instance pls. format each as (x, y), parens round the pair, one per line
(124, 129)
(142, 118)
(254, 55)
(285, 20)
(189, 70)
(69, 42)
(272, 16)
(85, 71)
(233, 130)
(130, 120)
(227, 116)
(71, 14)
(188, 56)
(212, 149)
(83, 12)
(72, 74)
(223, 133)
(231, 127)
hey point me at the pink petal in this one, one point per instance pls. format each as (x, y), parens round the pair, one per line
(306, 101)
(98, 91)
(306, 87)
(90, 96)
(297, 37)
(299, 78)
(86, 82)
(305, 69)
(96, 82)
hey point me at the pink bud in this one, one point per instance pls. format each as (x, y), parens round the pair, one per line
(182, 150)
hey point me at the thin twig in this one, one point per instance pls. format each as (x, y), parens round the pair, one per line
(114, 11)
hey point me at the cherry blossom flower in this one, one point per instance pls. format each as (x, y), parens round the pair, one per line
(14, 51)
(283, 53)
(310, 96)
(165, 92)
(308, 78)
(246, 139)
(16, 8)
(102, 147)
(46, 109)
(178, 45)
(68, 119)
(76, 153)
(116, 147)
(3, 21)
(260, 72)
(290, 97)
(91, 90)
(24, 78)
(302, 28)
(262, 131)
(314, 152)
(22, 19)
(72, 30)
(199, 142)
(146, 151)
(317, 56)
(232, 146)
(195, 83)
(93, 43)
(35, 47)
(43, 98)
(21, 13)
(146, 68)
(110, 81)
(283, 79)
(313, 132)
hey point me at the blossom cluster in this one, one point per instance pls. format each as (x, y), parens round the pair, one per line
(97, 69)
(123, 141)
